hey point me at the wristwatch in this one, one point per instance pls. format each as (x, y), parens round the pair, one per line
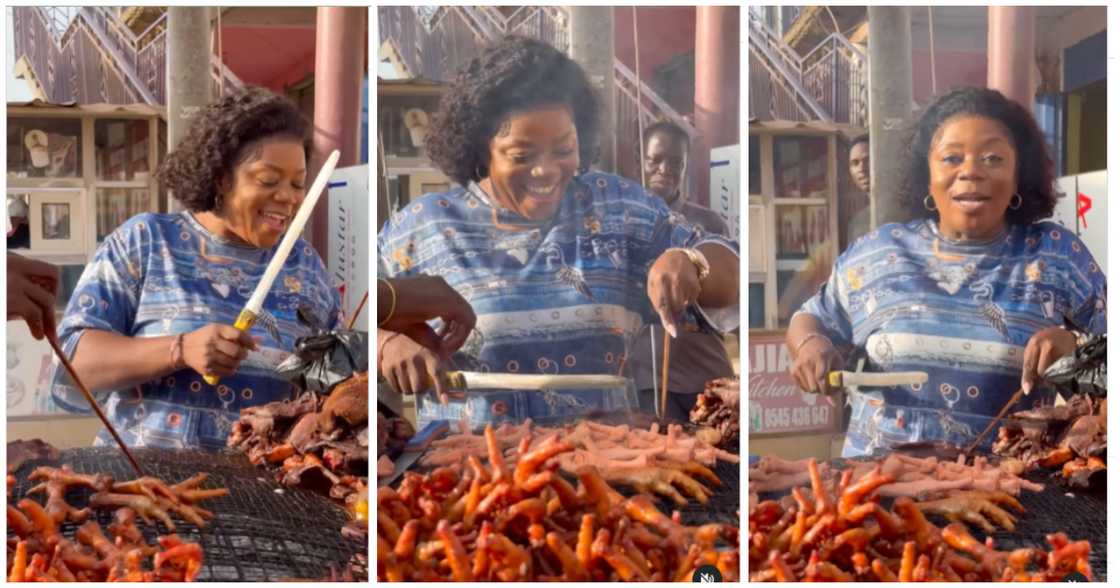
(697, 258)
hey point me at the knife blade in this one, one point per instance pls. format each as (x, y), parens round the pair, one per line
(252, 309)
(491, 381)
(843, 379)
(415, 447)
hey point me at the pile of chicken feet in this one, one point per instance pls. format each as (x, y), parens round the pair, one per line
(847, 535)
(647, 460)
(39, 552)
(526, 523)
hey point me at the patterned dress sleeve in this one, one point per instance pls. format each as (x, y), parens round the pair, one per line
(829, 306)
(106, 298)
(1088, 290)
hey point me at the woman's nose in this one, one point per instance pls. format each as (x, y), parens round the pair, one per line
(542, 171)
(971, 169)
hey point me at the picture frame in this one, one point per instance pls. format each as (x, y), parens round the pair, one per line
(57, 221)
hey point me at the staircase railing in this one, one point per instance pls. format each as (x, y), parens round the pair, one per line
(835, 72)
(828, 83)
(140, 61)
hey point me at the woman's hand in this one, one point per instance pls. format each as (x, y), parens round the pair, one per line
(673, 284)
(409, 366)
(32, 288)
(216, 350)
(814, 360)
(422, 298)
(1044, 348)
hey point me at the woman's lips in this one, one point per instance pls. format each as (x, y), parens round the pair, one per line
(971, 202)
(273, 221)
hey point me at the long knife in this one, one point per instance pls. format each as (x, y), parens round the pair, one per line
(415, 448)
(492, 381)
(842, 379)
(252, 309)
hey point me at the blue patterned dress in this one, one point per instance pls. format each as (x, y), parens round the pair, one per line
(562, 296)
(963, 313)
(162, 274)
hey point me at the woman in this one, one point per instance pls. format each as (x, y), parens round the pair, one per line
(152, 313)
(552, 257)
(976, 291)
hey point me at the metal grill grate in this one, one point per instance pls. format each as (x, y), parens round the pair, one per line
(261, 531)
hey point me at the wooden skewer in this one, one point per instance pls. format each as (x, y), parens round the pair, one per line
(93, 403)
(664, 375)
(357, 311)
(1014, 398)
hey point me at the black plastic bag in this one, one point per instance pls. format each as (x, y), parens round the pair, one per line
(1085, 371)
(323, 360)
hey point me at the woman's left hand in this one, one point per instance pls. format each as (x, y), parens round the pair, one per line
(1044, 348)
(673, 283)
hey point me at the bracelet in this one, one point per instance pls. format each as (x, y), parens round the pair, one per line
(381, 348)
(392, 301)
(697, 258)
(177, 361)
(797, 349)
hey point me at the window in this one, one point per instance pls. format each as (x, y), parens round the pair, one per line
(754, 177)
(121, 150)
(800, 167)
(116, 205)
(44, 147)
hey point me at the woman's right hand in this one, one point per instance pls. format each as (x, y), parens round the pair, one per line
(217, 350)
(814, 360)
(411, 367)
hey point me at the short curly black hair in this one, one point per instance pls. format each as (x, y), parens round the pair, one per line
(1034, 173)
(221, 137)
(515, 74)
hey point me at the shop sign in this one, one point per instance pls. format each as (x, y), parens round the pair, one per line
(777, 405)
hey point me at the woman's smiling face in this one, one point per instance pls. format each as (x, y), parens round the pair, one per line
(972, 176)
(267, 189)
(532, 158)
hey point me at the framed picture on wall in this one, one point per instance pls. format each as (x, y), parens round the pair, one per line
(56, 221)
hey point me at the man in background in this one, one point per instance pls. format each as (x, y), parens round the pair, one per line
(694, 357)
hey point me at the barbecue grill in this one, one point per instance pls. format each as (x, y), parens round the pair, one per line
(1055, 508)
(722, 506)
(261, 531)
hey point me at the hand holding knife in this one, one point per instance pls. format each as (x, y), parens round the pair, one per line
(252, 309)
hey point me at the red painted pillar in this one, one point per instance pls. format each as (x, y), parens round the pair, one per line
(716, 105)
(339, 61)
(1011, 52)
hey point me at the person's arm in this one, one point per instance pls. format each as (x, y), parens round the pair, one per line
(105, 360)
(812, 353)
(32, 288)
(403, 303)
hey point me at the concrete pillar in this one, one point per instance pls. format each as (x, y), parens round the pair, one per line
(716, 102)
(891, 97)
(188, 71)
(339, 66)
(592, 35)
(1011, 52)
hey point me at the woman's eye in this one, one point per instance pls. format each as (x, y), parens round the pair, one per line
(992, 158)
(565, 152)
(953, 159)
(268, 183)
(520, 158)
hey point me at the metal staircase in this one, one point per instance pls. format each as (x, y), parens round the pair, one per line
(434, 43)
(829, 83)
(89, 55)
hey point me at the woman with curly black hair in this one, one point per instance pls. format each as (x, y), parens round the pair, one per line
(153, 310)
(552, 256)
(977, 291)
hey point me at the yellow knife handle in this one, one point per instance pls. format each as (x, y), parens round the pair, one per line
(243, 323)
(834, 379)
